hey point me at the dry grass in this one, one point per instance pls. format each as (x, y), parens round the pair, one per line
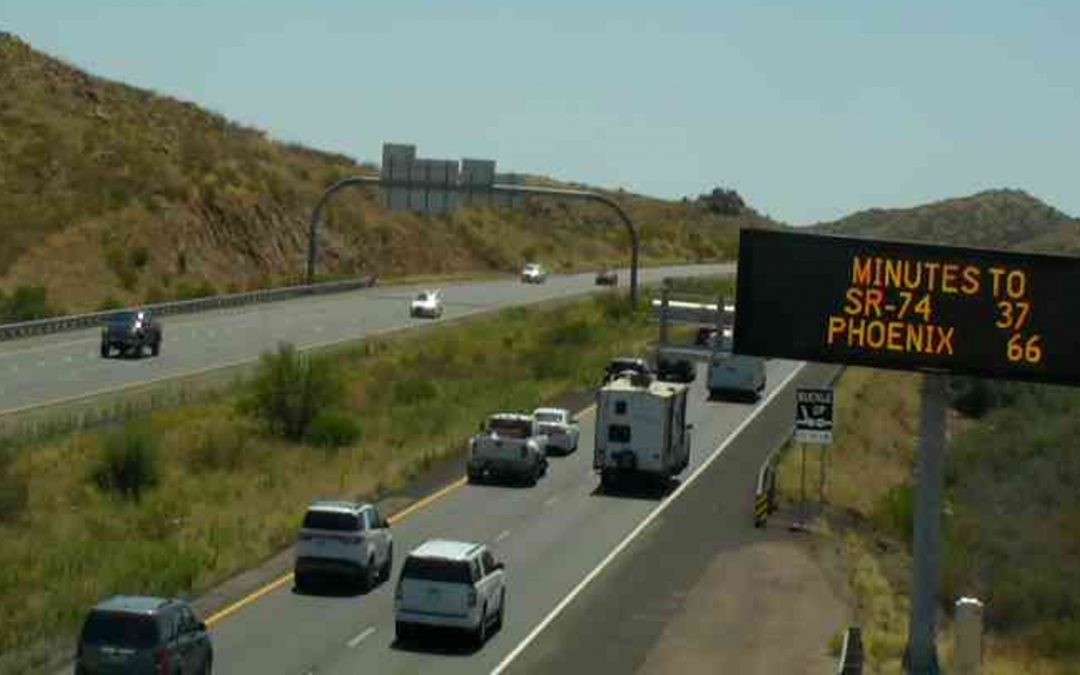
(94, 169)
(873, 454)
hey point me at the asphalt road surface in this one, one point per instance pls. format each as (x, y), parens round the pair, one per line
(552, 537)
(47, 369)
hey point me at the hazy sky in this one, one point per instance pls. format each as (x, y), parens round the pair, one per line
(811, 109)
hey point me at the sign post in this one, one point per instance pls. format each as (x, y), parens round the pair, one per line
(813, 425)
(906, 306)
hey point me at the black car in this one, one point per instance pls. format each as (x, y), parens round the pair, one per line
(676, 369)
(131, 333)
(625, 364)
(607, 278)
(137, 634)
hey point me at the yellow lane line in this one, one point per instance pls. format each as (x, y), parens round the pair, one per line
(397, 517)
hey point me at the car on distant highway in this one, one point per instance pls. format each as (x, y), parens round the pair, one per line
(450, 585)
(607, 277)
(131, 332)
(140, 634)
(560, 427)
(343, 539)
(427, 304)
(533, 273)
(624, 364)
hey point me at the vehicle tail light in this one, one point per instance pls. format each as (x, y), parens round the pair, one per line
(163, 661)
(472, 598)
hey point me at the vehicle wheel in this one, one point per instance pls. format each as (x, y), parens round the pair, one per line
(473, 476)
(533, 476)
(607, 479)
(208, 665)
(480, 636)
(403, 631)
(712, 394)
(155, 348)
(301, 581)
(502, 611)
(372, 574)
(388, 566)
(105, 349)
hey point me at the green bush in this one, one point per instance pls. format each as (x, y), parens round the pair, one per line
(289, 389)
(110, 303)
(333, 429)
(414, 389)
(138, 257)
(13, 491)
(129, 462)
(25, 304)
(187, 291)
(895, 511)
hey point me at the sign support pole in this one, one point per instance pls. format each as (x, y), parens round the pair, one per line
(920, 657)
(800, 524)
(821, 483)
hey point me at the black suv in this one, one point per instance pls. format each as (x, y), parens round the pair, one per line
(607, 277)
(136, 634)
(623, 364)
(131, 333)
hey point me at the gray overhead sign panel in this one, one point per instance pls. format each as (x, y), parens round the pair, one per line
(435, 185)
(397, 162)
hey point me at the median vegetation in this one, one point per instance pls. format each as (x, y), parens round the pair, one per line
(180, 500)
(1012, 510)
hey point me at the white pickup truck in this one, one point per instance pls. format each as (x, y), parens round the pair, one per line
(560, 427)
(507, 445)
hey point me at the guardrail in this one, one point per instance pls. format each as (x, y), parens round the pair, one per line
(12, 331)
(851, 656)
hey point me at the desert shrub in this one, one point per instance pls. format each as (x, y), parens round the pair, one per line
(13, 490)
(188, 291)
(110, 303)
(414, 389)
(333, 429)
(222, 445)
(128, 462)
(25, 304)
(289, 389)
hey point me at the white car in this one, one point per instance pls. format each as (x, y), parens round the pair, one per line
(560, 427)
(450, 584)
(533, 273)
(427, 304)
(343, 539)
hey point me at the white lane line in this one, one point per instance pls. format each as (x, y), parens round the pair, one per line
(367, 632)
(502, 535)
(653, 515)
(550, 501)
(41, 363)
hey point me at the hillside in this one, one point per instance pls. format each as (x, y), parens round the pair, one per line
(992, 219)
(117, 194)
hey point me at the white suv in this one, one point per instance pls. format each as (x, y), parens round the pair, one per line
(450, 584)
(343, 538)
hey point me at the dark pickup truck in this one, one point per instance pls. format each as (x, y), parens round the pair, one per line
(131, 333)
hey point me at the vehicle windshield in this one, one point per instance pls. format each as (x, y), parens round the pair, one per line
(422, 296)
(510, 428)
(435, 569)
(531, 268)
(549, 417)
(120, 629)
(122, 319)
(331, 520)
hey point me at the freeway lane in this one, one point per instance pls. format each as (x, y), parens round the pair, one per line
(550, 536)
(42, 370)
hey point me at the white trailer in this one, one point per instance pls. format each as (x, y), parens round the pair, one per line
(641, 429)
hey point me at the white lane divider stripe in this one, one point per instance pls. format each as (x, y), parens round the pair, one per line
(502, 535)
(365, 634)
(653, 515)
(550, 501)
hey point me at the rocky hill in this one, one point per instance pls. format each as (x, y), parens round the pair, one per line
(112, 194)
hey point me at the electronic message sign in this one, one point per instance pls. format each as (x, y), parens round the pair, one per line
(908, 306)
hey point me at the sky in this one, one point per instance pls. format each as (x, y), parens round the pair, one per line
(811, 109)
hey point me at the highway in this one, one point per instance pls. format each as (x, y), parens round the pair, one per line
(53, 368)
(552, 537)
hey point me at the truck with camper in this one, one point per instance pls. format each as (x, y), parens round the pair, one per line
(507, 446)
(641, 430)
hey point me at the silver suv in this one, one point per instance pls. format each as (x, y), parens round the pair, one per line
(450, 584)
(343, 539)
(138, 634)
